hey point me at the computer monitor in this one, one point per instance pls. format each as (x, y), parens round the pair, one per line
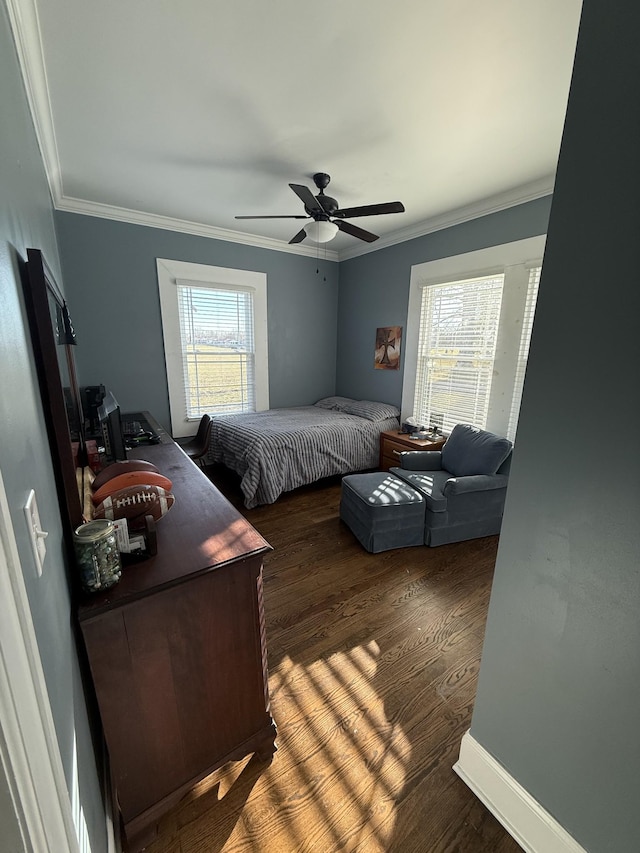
(92, 396)
(111, 428)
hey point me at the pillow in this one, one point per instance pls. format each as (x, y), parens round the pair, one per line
(371, 410)
(335, 403)
(470, 450)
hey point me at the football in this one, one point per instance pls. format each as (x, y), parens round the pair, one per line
(134, 503)
(117, 468)
(131, 478)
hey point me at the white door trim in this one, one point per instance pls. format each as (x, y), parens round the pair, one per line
(29, 748)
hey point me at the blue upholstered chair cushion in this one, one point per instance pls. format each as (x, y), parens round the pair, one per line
(430, 483)
(470, 450)
(380, 489)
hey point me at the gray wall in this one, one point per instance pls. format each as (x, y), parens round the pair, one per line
(321, 340)
(559, 693)
(26, 220)
(374, 291)
(112, 290)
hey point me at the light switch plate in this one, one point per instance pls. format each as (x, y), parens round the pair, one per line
(36, 533)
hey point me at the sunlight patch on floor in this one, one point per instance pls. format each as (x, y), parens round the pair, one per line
(335, 722)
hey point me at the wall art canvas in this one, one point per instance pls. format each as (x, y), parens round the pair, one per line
(387, 354)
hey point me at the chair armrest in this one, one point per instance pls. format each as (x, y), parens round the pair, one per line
(421, 460)
(474, 483)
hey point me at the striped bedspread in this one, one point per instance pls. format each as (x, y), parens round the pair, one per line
(281, 449)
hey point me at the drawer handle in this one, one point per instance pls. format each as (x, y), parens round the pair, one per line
(397, 452)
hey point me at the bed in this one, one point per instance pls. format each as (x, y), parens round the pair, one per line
(281, 449)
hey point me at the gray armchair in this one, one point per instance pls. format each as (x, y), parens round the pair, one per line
(464, 484)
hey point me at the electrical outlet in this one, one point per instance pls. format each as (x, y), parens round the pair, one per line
(36, 533)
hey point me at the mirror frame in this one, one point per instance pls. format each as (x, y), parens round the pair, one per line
(41, 294)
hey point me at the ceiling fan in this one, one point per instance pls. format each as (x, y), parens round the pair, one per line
(327, 217)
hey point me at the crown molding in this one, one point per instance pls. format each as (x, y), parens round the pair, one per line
(25, 24)
(153, 220)
(23, 16)
(503, 201)
(494, 204)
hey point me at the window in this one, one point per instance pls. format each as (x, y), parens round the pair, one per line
(468, 331)
(456, 351)
(218, 350)
(215, 335)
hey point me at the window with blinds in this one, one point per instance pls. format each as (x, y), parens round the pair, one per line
(218, 349)
(456, 351)
(523, 351)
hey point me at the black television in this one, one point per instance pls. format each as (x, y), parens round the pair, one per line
(111, 429)
(92, 396)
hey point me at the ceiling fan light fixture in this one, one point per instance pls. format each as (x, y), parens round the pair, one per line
(322, 207)
(321, 231)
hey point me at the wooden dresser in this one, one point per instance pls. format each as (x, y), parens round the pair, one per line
(177, 651)
(393, 442)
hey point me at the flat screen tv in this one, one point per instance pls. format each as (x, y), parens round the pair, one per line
(111, 428)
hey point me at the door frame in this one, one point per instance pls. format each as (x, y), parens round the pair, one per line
(29, 751)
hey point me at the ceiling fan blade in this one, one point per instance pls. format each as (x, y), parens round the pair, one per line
(371, 209)
(299, 237)
(307, 198)
(272, 217)
(348, 228)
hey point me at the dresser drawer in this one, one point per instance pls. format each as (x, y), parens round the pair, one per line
(391, 447)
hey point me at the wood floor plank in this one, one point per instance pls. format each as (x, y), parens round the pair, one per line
(373, 662)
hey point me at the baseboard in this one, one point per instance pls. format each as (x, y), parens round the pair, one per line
(521, 815)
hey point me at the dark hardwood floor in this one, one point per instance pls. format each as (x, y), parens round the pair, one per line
(373, 661)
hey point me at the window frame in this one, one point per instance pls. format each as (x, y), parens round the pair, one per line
(524, 345)
(514, 261)
(170, 273)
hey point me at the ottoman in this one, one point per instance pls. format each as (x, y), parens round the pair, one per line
(382, 511)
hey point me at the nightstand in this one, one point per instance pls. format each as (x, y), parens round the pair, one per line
(393, 442)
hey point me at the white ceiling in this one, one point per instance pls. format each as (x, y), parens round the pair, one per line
(200, 109)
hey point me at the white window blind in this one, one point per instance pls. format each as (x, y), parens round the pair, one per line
(218, 349)
(523, 351)
(456, 351)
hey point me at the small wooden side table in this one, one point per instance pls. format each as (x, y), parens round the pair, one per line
(393, 442)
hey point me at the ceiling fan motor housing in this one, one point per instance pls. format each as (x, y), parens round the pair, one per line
(328, 204)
